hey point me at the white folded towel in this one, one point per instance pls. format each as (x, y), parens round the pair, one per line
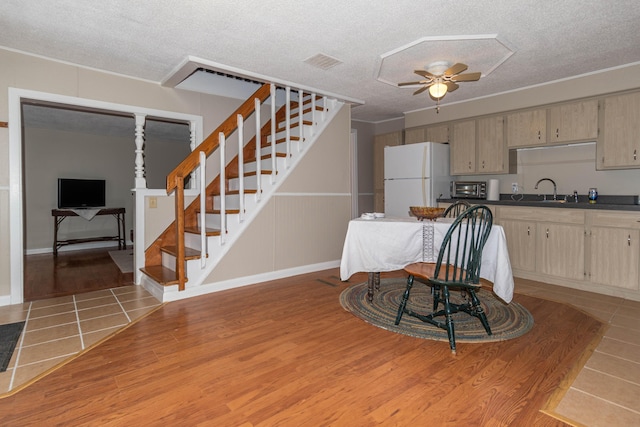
(87, 214)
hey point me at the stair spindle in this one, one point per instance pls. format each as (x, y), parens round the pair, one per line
(273, 134)
(223, 180)
(287, 125)
(300, 118)
(258, 146)
(241, 165)
(203, 210)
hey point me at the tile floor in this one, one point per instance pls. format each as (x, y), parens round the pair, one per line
(59, 328)
(606, 390)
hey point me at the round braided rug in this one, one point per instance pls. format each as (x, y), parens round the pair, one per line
(507, 321)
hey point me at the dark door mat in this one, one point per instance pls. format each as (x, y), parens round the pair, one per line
(9, 336)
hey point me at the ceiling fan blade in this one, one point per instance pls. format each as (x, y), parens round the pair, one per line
(466, 77)
(421, 82)
(425, 74)
(422, 89)
(455, 69)
(451, 86)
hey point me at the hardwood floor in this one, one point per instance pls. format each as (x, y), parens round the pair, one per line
(285, 353)
(71, 272)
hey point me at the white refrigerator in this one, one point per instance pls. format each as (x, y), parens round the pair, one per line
(415, 175)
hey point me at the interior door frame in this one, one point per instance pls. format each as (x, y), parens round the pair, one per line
(16, 191)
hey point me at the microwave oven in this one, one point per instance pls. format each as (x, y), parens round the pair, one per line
(468, 189)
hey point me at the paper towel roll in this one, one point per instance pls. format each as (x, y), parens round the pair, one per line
(493, 189)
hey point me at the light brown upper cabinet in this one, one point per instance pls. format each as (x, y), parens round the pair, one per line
(527, 128)
(478, 147)
(618, 146)
(463, 148)
(436, 133)
(413, 136)
(492, 150)
(574, 122)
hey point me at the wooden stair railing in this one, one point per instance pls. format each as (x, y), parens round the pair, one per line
(172, 240)
(175, 182)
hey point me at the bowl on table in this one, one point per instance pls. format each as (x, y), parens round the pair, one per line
(426, 212)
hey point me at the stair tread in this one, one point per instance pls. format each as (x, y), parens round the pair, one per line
(294, 124)
(217, 211)
(208, 231)
(234, 192)
(251, 173)
(306, 110)
(229, 211)
(189, 253)
(163, 275)
(268, 156)
(284, 139)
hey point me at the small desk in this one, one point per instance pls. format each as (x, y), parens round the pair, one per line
(60, 214)
(388, 244)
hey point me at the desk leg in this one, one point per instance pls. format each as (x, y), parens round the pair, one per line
(124, 235)
(56, 223)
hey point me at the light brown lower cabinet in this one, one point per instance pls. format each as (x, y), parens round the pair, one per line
(595, 250)
(521, 241)
(560, 250)
(614, 239)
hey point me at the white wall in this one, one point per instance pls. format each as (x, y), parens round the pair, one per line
(37, 74)
(50, 154)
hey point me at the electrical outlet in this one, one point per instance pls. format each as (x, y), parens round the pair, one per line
(514, 187)
(153, 202)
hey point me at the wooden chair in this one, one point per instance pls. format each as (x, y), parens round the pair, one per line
(456, 209)
(458, 267)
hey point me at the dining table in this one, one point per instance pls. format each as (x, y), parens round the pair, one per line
(379, 244)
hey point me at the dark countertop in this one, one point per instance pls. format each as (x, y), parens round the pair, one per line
(617, 203)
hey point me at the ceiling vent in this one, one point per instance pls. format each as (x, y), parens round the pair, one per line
(322, 61)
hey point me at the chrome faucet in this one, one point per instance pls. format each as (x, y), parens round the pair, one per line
(555, 188)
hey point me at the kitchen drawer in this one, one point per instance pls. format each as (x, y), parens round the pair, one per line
(565, 216)
(614, 219)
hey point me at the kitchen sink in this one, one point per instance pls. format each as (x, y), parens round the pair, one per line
(553, 201)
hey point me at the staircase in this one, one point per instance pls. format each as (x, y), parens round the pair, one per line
(245, 175)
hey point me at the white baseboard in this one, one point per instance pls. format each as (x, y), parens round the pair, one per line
(75, 247)
(5, 300)
(208, 288)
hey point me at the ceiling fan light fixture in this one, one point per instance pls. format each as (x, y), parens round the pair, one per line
(438, 90)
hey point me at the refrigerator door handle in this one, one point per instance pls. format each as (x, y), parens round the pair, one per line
(424, 181)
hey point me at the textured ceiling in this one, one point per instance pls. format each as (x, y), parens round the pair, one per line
(377, 43)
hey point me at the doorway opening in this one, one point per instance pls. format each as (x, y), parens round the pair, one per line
(75, 142)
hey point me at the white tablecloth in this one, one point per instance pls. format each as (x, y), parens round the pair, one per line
(388, 244)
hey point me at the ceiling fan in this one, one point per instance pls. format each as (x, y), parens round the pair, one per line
(440, 78)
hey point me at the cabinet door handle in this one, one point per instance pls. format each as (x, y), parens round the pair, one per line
(629, 240)
(557, 133)
(528, 231)
(483, 164)
(635, 154)
(547, 233)
(539, 135)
